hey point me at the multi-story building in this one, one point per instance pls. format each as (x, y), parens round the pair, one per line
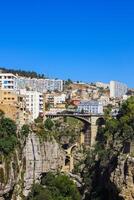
(102, 85)
(34, 102)
(13, 105)
(40, 85)
(59, 99)
(93, 107)
(117, 89)
(53, 85)
(49, 100)
(8, 97)
(54, 100)
(8, 81)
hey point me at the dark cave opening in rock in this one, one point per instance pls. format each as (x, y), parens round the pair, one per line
(67, 161)
(65, 146)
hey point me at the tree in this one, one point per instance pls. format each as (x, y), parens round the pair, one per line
(25, 130)
(8, 137)
(24, 73)
(39, 119)
(39, 193)
(107, 111)
(49, 124)
(55, 187)
(68, 82)
(8, 126)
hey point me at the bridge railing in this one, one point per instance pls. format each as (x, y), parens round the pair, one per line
(73, 114)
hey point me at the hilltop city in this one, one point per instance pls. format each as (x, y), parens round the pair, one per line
(65, 140)
(24, 97)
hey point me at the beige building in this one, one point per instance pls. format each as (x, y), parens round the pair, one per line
(8, 97)
(13, 105)
(54, 100)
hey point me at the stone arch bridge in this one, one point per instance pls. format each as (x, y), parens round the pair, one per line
(90, 121)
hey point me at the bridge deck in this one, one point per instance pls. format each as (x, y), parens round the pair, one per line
(73, 115)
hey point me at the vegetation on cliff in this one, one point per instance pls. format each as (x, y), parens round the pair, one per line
(113, 139)
(54, 187)
(11, 147)
(24, 73)
(8, 136)
(64, 130)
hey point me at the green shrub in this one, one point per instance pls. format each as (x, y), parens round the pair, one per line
(58, 187)
(49, 124)
(8, 137)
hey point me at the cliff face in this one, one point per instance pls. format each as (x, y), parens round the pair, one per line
(7, 177)
(40, 158)
(123, 177)
(22, 169)
(10, 168)
(37, 157)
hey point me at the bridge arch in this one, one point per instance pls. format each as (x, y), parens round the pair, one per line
(91, 124)
(84, 119)
(100, 121)
(70, 149)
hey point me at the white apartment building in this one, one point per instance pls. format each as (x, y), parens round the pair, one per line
(53, 85)
(40, 85)
(34, 102)
(59, 99)
(8, 81)
(93, 107)
(117, 89)
(102, 85)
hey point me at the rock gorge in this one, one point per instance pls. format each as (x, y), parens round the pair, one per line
(37, 158)
(104, 171)
(42, 157)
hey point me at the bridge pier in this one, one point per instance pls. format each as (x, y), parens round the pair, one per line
(94, 129)
(87, 134)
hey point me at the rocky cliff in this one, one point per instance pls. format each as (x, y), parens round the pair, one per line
(25, 167)
(37, 157)
(41, 157)
(123, 177)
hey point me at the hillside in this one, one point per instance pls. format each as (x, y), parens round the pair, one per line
(36, 161)
(29, 74)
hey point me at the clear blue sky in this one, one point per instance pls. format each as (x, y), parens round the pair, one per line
(88, 40)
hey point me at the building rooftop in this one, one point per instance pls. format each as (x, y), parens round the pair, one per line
(89, 103)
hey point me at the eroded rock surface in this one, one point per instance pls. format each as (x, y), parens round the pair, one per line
(38, 157)
(123, 177)
(41, 157)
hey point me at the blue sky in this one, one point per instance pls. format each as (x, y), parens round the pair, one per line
(82, 40)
